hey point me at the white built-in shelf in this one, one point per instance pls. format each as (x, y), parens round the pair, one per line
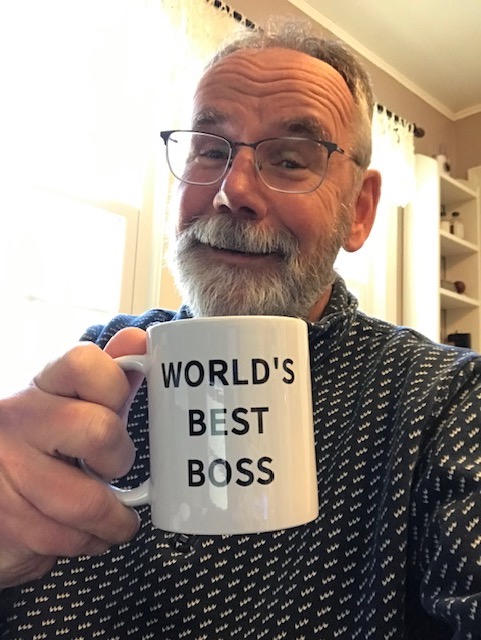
(433, 255)
(452, 246)
(453, 300)
(455, 191)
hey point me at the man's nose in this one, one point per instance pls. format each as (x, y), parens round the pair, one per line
(242, 190)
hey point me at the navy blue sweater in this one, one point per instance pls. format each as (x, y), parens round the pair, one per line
(394, 553)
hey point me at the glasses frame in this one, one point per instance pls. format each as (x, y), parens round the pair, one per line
(331, 147)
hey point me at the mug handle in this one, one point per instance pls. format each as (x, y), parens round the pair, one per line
(140, 495)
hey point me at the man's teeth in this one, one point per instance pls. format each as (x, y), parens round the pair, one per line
(237, 250)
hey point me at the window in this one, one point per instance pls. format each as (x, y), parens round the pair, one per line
(65, 264)
(86, 88)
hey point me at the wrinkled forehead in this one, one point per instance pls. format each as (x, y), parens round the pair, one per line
(276, 81)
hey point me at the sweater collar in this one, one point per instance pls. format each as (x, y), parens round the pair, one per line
(326, 332)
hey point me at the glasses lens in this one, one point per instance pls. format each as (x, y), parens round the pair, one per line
(197, 158)
(292, 165)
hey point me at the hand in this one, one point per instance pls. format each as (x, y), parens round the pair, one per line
(75, 408)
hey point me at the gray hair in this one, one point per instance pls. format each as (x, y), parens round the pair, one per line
(300, 35)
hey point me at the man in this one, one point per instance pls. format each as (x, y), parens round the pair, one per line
(273, 181)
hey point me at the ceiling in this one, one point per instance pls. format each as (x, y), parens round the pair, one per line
(431, 46)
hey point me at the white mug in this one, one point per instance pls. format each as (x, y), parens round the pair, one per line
(230, 425)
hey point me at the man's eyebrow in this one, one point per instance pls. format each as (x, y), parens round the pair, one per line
(207, 117)
(307, 125)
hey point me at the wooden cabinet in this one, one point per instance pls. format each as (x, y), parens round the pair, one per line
(434, 259)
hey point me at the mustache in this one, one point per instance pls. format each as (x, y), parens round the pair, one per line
(224, 232)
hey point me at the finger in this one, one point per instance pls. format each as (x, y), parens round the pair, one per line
(128, 341)
(63, 427)
(42, 537)
(18, 567)
(88, 373)
(28, 552)
(82, 512)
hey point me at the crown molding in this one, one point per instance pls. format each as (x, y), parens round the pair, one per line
(465, 113)
(326, 22)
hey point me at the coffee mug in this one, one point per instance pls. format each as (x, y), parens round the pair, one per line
(230, 425)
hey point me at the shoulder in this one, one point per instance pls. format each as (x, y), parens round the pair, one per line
(101, 334)
(412, 357)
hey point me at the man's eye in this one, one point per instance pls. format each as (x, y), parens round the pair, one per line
(287, 160)
(213, 153)
(291, 163)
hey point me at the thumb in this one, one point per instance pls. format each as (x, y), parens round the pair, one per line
(129, 341)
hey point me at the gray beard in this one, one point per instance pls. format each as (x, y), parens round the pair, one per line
(212, 288)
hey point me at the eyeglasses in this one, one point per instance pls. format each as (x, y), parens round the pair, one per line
(285, 164)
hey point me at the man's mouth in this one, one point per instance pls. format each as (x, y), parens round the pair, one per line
(228, 239)
(240, 251)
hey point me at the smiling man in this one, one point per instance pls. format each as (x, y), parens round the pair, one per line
(273, 179)
(260, 223)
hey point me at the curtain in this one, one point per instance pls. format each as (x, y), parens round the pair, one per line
(202, 27)
(87, 84)
(374, 272)
(393, 152)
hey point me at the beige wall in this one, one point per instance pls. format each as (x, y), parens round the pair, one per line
(468, 140)
(459, 140)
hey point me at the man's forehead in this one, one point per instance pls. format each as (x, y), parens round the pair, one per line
(272, 60)
(287, 82)
(303, 125)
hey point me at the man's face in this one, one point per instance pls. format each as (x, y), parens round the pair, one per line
(240, 247)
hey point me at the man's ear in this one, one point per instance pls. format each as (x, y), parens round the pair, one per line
(364, 210)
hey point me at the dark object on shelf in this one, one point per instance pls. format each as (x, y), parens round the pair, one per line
(460, 340)
(460, 286)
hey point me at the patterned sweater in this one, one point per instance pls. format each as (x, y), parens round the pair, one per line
(394, 553)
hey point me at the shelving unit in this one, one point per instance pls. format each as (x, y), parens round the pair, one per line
(431, 255)
(460, 260)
